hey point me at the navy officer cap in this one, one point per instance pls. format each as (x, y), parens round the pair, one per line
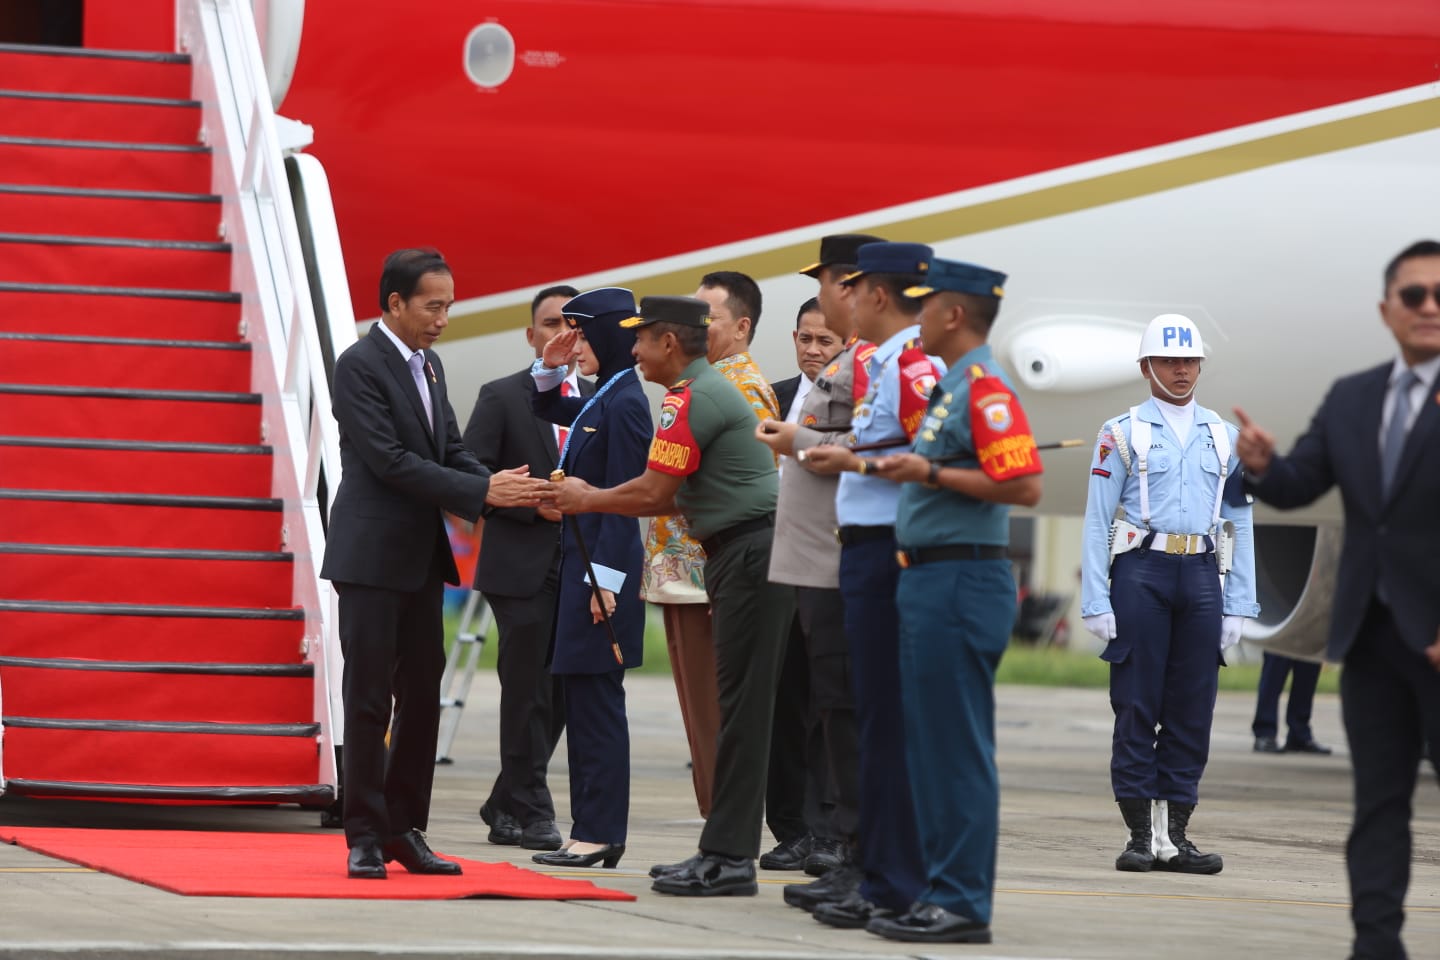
(959, 277)
(903, 258)
(598, 303)
(686, 311)
(840, 249)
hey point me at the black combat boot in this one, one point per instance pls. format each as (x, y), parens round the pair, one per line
(1188, 859)
(1136, 857)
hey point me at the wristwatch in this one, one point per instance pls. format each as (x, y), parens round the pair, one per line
(932, 480)
(800, 455)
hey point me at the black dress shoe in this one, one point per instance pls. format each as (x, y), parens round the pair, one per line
(504, 829)
(789, 855)
(610, 854)
(852, 913)
(366, 862)
(411, 851)
(540, 835)
(825, 855)
(1309, 746)
(927, 923)
(1267, 745)
(831, 888)
(711, 875)
(660, 869)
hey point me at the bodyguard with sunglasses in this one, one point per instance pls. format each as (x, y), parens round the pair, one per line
(1385, 626)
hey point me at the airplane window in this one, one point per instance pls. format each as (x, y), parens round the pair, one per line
(489, 55)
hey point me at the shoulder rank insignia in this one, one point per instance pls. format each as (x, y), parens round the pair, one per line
(681, 384)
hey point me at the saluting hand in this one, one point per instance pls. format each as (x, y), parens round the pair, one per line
(514, 488)
(562, 349)
(900, 467)
(1255, 446)
(567, 496)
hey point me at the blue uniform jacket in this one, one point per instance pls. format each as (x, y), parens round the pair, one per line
(1182, 500)
(608, 445)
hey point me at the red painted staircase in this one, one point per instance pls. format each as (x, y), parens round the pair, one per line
(150, 642)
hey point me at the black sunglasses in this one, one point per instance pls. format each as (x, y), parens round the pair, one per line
(1414, 296)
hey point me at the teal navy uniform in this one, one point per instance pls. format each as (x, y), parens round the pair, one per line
(957, 605)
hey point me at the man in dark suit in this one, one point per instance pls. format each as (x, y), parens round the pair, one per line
(517, 573)
(1386, 622)
(389, 558)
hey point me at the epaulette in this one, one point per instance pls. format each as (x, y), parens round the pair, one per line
(681, 384)
(976, 372)
(911, 344)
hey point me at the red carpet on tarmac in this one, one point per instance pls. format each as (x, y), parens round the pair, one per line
(301, 865)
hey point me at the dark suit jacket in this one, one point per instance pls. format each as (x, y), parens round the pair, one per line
(518, 548)
(1390, 540)
(785, 393)
(609, 445)
(386, 526)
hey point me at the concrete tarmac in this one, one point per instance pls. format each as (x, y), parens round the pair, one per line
(1279, 821)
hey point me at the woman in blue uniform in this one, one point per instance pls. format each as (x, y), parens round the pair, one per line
(607, 443)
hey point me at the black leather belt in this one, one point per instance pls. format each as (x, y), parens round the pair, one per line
(719, 538)
(951, 551)
(858, 534)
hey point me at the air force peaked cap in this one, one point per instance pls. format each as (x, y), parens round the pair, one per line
(686, 311)
(598, 303)
(959, 277)
(903, 258)
(839, 249)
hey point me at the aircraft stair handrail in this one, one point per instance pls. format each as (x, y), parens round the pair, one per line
(277, 315)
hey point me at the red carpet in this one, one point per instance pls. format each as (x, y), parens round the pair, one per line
(202, 864)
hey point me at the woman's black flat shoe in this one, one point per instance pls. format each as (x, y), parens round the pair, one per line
(610, 854)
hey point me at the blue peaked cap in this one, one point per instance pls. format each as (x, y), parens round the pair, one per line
(599, 313)
(885, 257)
(597, 303)
(959, 277)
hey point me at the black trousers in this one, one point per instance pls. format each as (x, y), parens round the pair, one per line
(532, 704)
(1302, 698)
(750, 623)
(821, 613)
(394, 646)
(793, 786)
(1390, 699)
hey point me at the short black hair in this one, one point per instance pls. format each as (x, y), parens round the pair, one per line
(1420, 248)
(980, 312)
(559, 290)
(742, 294)
(694, 341)
(403, 270)
(896, 284)
(809, 306)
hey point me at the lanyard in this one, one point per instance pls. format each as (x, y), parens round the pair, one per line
(588, 403)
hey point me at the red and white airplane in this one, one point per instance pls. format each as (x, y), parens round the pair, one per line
(1251, 165)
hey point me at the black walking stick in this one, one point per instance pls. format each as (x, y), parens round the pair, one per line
(555, 477)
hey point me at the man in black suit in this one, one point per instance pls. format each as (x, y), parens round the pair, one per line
(517, 573)
(1386, 623)
(389, 558)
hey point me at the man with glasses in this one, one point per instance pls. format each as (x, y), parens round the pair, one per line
(1152, 589)
(1385, 627)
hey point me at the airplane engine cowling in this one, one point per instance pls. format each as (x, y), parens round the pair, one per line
(1295, 585)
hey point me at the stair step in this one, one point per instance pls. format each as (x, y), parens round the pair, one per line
(118, 119)
(99, 165)
(130, 520)
(117, 414)
(74, 70)
(120, 466)
(313, 796)
(86, 690)
(140, 575)
(143, 214)
(163, 264)
(123, 362)
(160, 754)
(114, 631)
(102, 311)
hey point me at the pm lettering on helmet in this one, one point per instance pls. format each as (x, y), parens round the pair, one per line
(1178, 336)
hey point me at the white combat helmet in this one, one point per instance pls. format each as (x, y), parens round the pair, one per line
(1171, 335)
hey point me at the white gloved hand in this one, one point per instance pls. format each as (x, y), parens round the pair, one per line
(1102, 625)
(1230, 631)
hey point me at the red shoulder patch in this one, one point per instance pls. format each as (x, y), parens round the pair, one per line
(917, 378)
(674, 450)
(864, 350)
(1003, 441)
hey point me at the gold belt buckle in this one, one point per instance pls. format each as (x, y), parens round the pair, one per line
(1177, 543)
(902, 559)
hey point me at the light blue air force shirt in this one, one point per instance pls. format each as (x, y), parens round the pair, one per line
(874, 501)
(1183, 482)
